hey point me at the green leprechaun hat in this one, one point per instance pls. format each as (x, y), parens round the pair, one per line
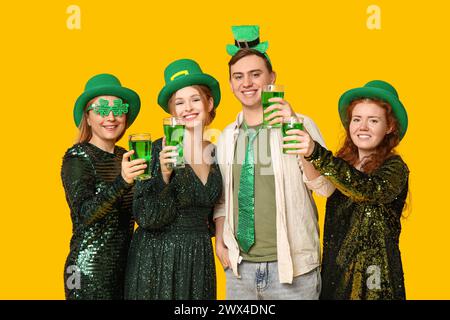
(376, 89)
(183, 73)
(246, 37)
(107, 85)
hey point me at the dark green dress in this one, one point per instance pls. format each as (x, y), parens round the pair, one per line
(171, 254)
(361, 255)
(102, 225)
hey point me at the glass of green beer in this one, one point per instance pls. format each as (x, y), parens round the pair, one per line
(270, 91)
(174, 132)
(290, 123)
(141, 143)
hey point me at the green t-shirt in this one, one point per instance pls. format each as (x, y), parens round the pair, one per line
(265, 246)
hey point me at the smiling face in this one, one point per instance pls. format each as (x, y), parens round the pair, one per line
(189, 104)
(368, 127)
(247, 78)
(108, 128)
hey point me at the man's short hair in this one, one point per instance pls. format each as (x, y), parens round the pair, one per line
(242, 53)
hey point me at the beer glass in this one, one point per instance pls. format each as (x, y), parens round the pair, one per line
(290, 123)
(174, 132)
(270, 91)
(141, 143)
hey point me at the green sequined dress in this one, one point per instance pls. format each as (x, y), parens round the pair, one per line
(100, 204)
(361, 255)
(171, 254)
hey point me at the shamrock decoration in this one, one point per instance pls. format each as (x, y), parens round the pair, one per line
(103, 108)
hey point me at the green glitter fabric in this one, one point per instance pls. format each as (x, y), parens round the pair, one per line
(100, 203)
(361, 255)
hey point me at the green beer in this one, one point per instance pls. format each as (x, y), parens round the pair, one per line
(268, 92)
(142, 146)
(174, 132)
(290, 123)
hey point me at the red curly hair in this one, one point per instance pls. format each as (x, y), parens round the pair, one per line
(385, 150)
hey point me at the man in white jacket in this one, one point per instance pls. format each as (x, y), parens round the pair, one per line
(267, 235)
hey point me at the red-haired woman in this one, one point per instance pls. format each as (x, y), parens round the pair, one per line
(361, 256)
(171, 255)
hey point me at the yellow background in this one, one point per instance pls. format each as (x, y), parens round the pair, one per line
(319, 50)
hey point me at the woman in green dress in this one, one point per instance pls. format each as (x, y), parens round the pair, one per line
(171, 255)
(98, 179)
(361, 255)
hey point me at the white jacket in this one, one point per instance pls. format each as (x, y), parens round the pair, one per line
(298, 243)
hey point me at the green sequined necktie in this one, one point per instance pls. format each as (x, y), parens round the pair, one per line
(246, 196)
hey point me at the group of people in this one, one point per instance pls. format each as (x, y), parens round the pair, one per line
(261, 213)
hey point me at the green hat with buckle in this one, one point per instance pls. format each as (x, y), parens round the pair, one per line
(376, 89)
(184, 73)
(107, 85)
(246, 37)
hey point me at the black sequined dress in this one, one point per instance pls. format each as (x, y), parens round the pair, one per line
(171, 255)
(100, 204)
(361, 255)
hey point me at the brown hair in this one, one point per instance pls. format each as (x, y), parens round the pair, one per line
(385, 150)
(242, 53)
(205, 96)
(85, 134)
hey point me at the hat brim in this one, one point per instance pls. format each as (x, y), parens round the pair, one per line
(186, 81)
(374, 93)
(261, 47)
(128, 95)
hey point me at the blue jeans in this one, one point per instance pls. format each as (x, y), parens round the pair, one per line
(259, 281)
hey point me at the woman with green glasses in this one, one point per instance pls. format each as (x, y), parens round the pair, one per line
(98, 177)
